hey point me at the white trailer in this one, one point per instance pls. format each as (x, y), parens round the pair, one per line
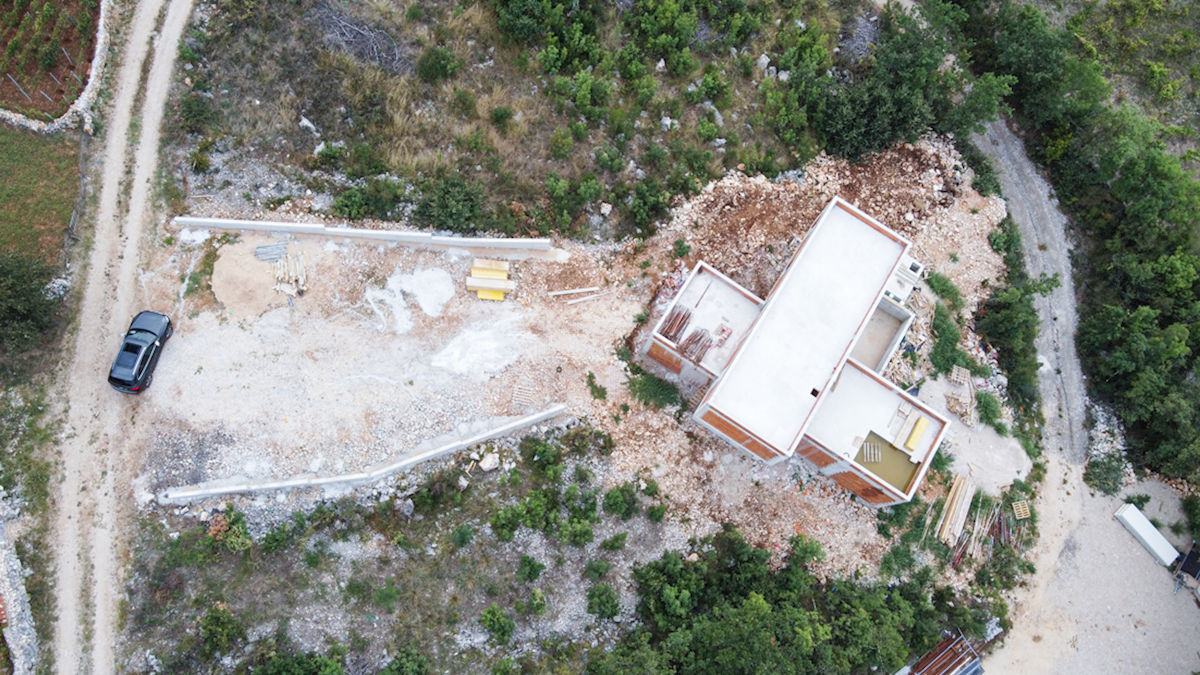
(1146, 533)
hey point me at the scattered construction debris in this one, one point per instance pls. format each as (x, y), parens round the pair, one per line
(574, 291)
(271, 252)
(489, 279)
(576, 301)
(961, 399)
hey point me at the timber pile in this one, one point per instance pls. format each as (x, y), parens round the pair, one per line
(954, 516)
(291, 278)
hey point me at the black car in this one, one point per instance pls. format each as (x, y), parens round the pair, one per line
(133, 369)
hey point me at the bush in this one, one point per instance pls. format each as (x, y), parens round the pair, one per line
(615, 542)
(26, 312)
(437, 64)
(602, 601)
(577, 532)
(219, 630)
(529, 569)
(501, 116)
(622, 501)
(506, 521)
(536, 604)
(598, 391)
(451, 203)
(463, 534)
(1106, 473)
(946, 290)
(407, 662)
(498, 623)
(561, 143)
(378, 199)
(197, 113)
(595, 569)
(657, 513)
(465, 104)
(608, 157)
(652, 390)
(990, 411)
(650, 202)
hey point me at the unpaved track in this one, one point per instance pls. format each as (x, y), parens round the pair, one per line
(94, 494)
(1099, 602)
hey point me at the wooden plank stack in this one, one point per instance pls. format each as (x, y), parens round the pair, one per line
(489, 279)
(954, 516)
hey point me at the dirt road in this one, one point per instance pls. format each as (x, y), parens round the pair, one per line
(94, 493)
(1098, 601)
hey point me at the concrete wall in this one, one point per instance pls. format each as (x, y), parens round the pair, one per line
(400, 236)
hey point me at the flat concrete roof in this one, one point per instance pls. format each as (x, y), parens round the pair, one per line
(860, 404)
(715, 300)
(808, 324)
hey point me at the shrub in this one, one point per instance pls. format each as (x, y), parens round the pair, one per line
(506, 521)
(602, 601)
(498, 623)
(990, 411)
(463, 534)
(529, 569)
(595, 569)
(945, 289)
(615, 542)
(197, 113)
(437, 64)
(650, 202)
(561, 143)
(407, 661)
(680, 248)
(577, 532)
(657, 513)
(608, 157)
(898, 560)
(598, 391)
(501, 116)
(622, 501)
(1139, 501)
(1106, 472)
(219, 630)
(386, 596)
(26, 312)
(652, 390)
(536, 604)
(465, 104)
(451, 203)
(1191, 514)
(378, 198)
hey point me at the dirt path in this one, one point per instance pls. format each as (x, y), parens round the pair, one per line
(1098, 602)
(94, 447)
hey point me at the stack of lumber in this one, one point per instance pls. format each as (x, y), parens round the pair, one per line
(954, 516)
(489, 279)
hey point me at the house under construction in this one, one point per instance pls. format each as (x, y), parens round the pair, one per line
(800, 372)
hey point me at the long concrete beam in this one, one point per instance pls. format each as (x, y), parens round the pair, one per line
(401, 236)
(190, 493)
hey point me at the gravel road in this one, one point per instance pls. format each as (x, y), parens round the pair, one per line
(94, 494)
(1099, 602)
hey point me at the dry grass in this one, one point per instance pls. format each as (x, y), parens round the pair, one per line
(38, 190)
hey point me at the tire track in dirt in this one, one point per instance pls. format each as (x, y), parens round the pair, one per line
(94, 492)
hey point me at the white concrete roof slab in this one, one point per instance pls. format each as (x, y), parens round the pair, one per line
(805, 330)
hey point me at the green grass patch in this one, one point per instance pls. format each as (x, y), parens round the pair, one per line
(38, 191)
